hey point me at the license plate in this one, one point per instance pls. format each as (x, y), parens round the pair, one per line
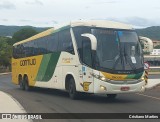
(125, 88)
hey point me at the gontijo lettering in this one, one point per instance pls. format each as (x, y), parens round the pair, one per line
(27, 62)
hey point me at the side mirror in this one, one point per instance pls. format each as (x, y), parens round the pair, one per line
(148, 44)
(93, 40)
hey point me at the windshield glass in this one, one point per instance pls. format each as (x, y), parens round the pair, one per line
(130, 50)
(107, 47)
(118, 51)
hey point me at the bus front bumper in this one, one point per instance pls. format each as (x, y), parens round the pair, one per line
(101, 87)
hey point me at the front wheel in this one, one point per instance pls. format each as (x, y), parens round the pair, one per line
(72, 89)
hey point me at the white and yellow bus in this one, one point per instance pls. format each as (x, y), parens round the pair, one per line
(100, 57)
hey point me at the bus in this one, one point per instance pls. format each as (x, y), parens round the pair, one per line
(94, 56)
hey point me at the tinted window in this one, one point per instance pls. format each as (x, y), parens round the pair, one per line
(28, 49)
(52, 43)
(77, 33)
(87, 59)
(65, 41)
(44, 45)
(107, 44)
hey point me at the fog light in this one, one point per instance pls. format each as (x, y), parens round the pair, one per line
(143, 89)
(142, 79)
(103, 88)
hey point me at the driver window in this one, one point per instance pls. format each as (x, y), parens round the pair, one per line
(87, 58)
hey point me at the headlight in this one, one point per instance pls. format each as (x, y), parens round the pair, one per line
(100, 77)
(103, 78)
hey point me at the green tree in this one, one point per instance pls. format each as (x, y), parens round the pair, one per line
(24, 34)
(157, 47)
(5, 52)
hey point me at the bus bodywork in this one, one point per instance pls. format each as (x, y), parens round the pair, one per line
(54, 57)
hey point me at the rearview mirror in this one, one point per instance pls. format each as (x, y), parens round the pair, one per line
(93, 40)
(148, 44)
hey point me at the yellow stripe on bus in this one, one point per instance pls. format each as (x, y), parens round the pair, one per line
(29, 66)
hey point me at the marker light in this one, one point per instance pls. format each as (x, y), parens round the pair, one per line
(103, 78)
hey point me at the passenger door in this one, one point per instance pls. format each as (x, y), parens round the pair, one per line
(87, 64)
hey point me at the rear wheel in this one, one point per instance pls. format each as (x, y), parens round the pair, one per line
(21, 83)
(111, 96)
(72, 89)
(26, 85)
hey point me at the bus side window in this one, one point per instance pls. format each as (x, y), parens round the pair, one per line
(15, 52)
(18, 51)
(26, 48)
(34, 46)
(31, 51)
(41, 43)
(21, 51)
(52, 42)
(65, 41)
(86, 51)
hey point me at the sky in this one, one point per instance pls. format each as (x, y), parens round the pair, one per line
(49, 13)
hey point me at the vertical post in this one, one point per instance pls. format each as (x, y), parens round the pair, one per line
(146, 77)
(146, 67)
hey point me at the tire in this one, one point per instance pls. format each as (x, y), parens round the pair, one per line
(72, 89)
(111, 96)
(21, 84)
(26, 85)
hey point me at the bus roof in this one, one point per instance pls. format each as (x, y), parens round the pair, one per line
(101, 23)
(92, 23)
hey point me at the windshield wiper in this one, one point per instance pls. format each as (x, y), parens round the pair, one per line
(131, 64)
(117, 58)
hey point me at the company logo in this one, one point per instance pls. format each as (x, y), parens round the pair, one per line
(85, 85)
(28, 62)
(67, 60)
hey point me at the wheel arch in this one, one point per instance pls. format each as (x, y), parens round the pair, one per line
(67, 78)
(26, 76)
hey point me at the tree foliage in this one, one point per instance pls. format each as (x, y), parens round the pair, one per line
(6, 45)
(157, 47)
(5, 51)
(150, 32)
(24, 34)
(10, 30)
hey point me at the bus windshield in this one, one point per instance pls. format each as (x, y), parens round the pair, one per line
(118, 51)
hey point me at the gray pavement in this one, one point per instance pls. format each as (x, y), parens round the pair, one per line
(152, 83)
(10, 105)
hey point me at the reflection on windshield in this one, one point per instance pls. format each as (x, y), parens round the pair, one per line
(107, 46)
(130, 46)
(118, 50)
